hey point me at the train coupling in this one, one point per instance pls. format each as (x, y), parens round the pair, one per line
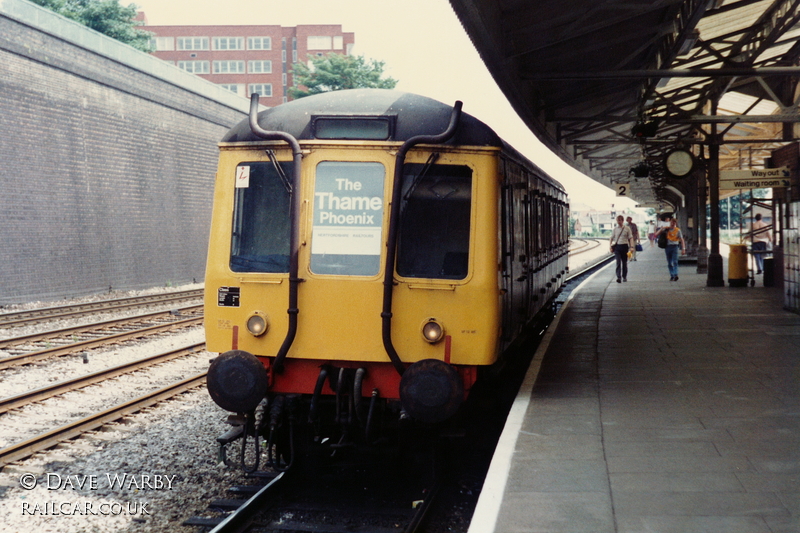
(235, 433)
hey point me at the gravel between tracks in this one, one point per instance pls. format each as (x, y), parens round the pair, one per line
(147, 473)
(174, 440)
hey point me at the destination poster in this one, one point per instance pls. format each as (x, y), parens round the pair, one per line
(348, 216)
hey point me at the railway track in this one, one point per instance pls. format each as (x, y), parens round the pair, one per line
(81, 339)
(37, 395)
(585, 245)
(43, 441)
(277, 506)
(34, 316)
(71, 340)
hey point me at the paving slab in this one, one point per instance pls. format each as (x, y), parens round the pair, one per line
(655, 406)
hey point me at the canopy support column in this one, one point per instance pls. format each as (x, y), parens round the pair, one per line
(715, 278)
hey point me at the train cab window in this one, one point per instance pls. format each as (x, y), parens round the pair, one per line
(347, 233)
(435, 221)
(261, 224)
(354, 128)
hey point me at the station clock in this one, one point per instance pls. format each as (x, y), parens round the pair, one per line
(679, 163)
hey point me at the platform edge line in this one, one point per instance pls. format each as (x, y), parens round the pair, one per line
(484, 519)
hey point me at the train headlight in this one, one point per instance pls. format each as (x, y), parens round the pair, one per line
(432, 331)
(257, 324)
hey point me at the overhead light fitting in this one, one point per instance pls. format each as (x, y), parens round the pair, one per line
(642, 130)
(641, 170)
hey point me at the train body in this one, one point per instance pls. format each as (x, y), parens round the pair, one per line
(373, 244)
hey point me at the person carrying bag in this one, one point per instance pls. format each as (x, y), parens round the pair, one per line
(673, 245)
(635, 247)
(621, 241)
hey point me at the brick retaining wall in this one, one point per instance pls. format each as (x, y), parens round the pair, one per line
(106, 166)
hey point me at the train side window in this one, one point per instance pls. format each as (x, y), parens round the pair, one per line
(435, 222)
(261, 224)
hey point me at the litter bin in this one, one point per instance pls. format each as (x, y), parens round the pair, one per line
(769, 272)
(737, 265)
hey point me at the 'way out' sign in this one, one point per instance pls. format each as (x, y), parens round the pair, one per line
(765, 178)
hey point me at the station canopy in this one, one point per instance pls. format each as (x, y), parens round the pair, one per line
(612, 86)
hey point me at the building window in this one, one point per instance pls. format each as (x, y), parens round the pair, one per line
(192, 43)
(338, 42)
(163, 44)
(228, 67)
(259, 43)
(284, 79)
(263, 89)
(319, 42)
(195, 67)
(228, 43)
(236, 88)
(259, 67)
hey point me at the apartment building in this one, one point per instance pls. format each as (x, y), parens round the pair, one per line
(247, 59)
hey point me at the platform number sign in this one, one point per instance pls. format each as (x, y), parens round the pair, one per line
(623, 189)
(242, 177)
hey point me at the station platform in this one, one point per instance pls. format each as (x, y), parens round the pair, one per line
(654, 406)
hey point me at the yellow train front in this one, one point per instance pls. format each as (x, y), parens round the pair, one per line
(370, 251)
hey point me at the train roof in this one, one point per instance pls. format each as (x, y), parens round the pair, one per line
(407, 114)
(412, 115)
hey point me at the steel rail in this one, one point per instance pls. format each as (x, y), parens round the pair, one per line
(597, 263)
(28, 447)
(581, 244)
(583, 249)
(37, 395)
(32, 316)
(242, 517)
(22, 359)
(240, 520)
(96, 326)
(418, 520)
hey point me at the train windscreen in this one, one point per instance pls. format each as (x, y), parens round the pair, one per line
(261, 222)
(435, 221)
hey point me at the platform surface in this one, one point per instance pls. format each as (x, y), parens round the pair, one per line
(655, 406)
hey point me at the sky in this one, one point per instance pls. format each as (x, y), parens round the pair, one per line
(423, 46)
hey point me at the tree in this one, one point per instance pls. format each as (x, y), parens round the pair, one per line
(335, 72)
(105, 16)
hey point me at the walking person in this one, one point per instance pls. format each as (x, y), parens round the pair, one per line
(675, 243)
(635, 233)
(621, 241)
(761, 236)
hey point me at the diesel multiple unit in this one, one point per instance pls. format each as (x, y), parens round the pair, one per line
(371, 252)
